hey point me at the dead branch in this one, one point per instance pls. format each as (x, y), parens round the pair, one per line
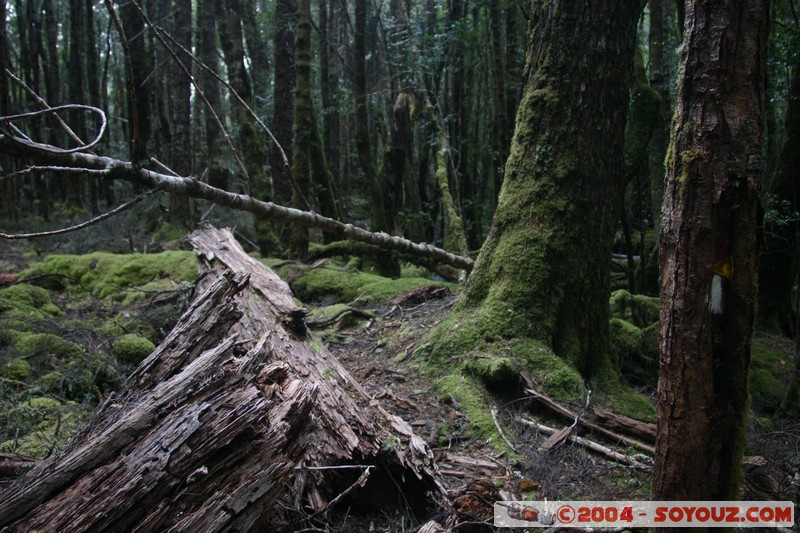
(563, 411)
(594, 446)
(114, 169)
(53, 149)
(82, 225)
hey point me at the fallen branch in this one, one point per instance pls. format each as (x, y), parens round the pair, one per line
(594, 446)
(560, 410)
(116, 169)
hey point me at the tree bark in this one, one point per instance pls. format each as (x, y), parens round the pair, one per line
(301, 133)
(709, 251)
(207, 52)
(232, 412)
(180, 211)
(379, 220)
(538, 274)
(283, 114)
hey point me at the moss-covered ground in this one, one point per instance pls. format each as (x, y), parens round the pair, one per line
(71, 328)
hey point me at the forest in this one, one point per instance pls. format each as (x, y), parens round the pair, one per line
(375, 265)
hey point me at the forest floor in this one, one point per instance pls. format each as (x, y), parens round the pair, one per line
(378, 349)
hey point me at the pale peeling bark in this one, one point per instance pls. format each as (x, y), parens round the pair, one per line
(209, 431)
(111, 169)
(708, 239)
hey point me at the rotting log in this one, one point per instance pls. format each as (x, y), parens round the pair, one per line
(237, 409)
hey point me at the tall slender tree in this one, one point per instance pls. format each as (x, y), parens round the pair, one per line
(709, 250)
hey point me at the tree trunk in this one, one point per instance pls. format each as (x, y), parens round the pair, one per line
(379, 220)
(301, 147)
(709, 251)
(236, 410)
(539, 274)
(283, 114)
(248, 139)
(180, 211)
(214, 158)
(499, 127)
(138, 89)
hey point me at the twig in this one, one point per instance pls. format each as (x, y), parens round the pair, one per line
(500, 430)
(594, 446)
(82, 225)
(362, 479)
(42, 103)
(337, 467)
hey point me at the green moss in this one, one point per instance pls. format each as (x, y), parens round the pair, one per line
(612, 394)
(771, 366)
(106, 275)
(409, 270)
(688, 157)
(331, 283)
(47, 424)
(46, 345)
(132, 349)
(27, 301)
(51, 381)
(16, 369)
(639, 309)
(472, 399)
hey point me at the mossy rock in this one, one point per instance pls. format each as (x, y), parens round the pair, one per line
(16, 369)
(46, 346)
(334, 284)
(131, 349)
(106, 275)
(27, 301)
(638, 309)
(634, 351)
(465, 339)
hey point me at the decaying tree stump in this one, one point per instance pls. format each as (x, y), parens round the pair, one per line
(238, 408)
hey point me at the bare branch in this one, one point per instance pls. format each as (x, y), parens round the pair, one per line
(115, 169)
(53, 149)
(44, 105)
(82, 225)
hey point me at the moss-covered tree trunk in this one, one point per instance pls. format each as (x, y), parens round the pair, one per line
(301, 147)
(542, 272)
(709, 251)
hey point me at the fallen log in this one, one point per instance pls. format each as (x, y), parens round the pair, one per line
(229, 415)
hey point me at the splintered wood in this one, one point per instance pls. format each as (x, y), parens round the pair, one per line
(226, 417)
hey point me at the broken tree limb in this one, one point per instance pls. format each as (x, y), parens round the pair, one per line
(208, 432)
(563, 411)
(590, 444)
(115, 169)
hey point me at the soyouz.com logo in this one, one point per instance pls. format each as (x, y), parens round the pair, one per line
(643, 514)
